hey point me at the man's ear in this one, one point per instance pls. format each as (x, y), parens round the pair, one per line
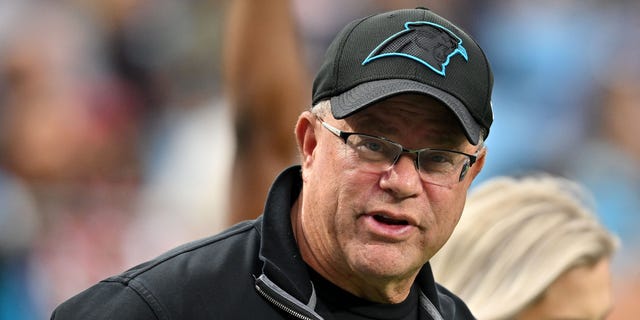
(479, 164)
(306, 137)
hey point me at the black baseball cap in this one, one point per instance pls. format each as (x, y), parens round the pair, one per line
(407, 51)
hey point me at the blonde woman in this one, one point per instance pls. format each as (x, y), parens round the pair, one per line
(529, 248)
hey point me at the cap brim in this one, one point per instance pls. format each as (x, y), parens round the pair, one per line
(371, 92)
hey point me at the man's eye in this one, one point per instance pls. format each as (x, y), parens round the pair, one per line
(438, 158)
(373, 145)
(373, 149)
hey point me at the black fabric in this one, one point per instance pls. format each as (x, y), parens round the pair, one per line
(215, 278)
(345, 306)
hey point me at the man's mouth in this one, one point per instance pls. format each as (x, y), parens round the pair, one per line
(386, 220)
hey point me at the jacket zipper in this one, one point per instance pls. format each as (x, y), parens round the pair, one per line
(285, 302)
(266, 289)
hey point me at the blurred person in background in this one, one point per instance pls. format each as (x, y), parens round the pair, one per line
(170, 52)
(529, 248)
(68, 136)
(608, 163)
(95, 94)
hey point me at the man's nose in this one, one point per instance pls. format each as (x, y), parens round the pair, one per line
(403, 179)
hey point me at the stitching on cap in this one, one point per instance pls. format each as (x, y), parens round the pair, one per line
(339, 55)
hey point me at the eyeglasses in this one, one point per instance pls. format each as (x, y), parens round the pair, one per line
(377, 154)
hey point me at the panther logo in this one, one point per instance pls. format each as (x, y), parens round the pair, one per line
(428, 43)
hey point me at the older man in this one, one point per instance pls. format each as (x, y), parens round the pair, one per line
(401, 107)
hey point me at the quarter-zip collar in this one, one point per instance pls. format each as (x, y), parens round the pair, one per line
(283, 264)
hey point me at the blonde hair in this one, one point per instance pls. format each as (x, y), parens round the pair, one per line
(515, 237)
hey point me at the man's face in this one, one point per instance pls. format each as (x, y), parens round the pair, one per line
(359, 227)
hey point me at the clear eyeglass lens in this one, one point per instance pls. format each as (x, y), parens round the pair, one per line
(374, 150)
(436, 166)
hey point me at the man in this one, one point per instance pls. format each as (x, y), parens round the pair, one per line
(393, 141)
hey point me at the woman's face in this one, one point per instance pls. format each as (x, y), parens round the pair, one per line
(582, 293)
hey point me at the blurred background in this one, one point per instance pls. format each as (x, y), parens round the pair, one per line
(128, 127)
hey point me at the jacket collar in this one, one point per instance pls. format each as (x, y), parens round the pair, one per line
(279, 251)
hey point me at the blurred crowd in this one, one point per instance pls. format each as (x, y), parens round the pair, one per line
(121, 136)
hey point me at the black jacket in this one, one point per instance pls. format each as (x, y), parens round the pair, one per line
(251, 271)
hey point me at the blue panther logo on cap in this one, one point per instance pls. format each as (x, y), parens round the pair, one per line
(428, 43)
